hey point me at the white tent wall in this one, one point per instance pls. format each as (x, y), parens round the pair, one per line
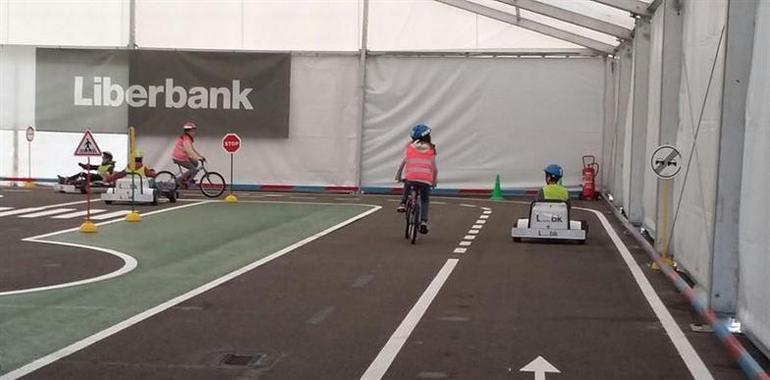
(324, 132)
(64, 23)
(608, 133)
(650, 190)
(692, 237)
(494, 116)
(625, 140)
(754, 284)
(303, 24)
(623, 98)
(17, 105)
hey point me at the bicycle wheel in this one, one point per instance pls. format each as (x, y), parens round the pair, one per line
(407, 216)
(212, 184)
(415, 223)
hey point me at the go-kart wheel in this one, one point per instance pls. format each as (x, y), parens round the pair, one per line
(154, 197)
(584, 227)
(171, 196)
(517, 239)
(108, 202)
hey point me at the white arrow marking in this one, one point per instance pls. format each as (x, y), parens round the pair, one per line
(539, 366)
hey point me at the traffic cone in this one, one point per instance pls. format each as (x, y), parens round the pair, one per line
(497, 193)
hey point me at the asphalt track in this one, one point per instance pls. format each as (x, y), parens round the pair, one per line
(330, 308)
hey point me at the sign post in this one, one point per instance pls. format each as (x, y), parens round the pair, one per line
(231, 143)
(88, 148)
(30, 136)
(666, 163)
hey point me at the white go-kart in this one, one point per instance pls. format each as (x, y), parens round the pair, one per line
(137, 189)
(549, 220)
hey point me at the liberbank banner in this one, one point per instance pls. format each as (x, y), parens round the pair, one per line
(157, 91)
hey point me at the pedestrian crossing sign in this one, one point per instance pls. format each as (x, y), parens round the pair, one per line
(87, 146)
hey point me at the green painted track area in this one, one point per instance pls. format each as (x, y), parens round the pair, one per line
(177, 251)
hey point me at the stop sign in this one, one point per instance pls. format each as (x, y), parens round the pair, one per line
(231, 142)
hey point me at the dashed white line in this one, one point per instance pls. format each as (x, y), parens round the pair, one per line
(469, 237)
(481, 221)
(467, 205)
(465, 243)
(477, 226)
(484, 217)
(487, 212)
(460, 250)
(473, 232)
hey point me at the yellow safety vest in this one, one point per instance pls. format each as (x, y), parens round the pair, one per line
(555, 192)
(104, 169)
(140, 171)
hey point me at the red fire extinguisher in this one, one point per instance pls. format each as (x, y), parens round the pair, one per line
(590, 168)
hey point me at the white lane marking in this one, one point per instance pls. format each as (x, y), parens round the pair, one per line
(467, 205)
(47, 212)
(5, 208)
(20, 211)
(481, 221)
(460, 250)
(108, 215)
(83, 343)
(465, 243)
(74, 214)
(39, 208)
(487, 212)
(129, 263)
(486, 208)
(484, 217)
(300, 197)
(275, 195)
(469, 237)
(437, 203)
(388, 353)
(690, 357)
(473, 232)
(477, 226)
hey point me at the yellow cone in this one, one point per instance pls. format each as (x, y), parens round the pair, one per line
(133, 217)
(29, 184)
(88, 227)
(231, 198)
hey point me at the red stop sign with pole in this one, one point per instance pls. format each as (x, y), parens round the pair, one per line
(231, 143)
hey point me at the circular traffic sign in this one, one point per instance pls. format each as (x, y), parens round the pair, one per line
(666, 162)
(30, 133)
(231, 143)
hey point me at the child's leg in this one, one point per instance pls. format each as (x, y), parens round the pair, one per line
(405, 193)
(424, 201)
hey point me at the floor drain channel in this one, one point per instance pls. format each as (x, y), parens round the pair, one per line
(242, 360)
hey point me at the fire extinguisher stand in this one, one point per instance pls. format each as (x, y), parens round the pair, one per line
(590, 168)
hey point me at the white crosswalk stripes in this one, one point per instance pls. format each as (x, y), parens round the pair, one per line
(110, 215)
(77, 214)
(59, 213)
(46, 213)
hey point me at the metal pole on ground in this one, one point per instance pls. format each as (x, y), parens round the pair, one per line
(132, 216)
(231, 198)
(88, 226)
(30, 136)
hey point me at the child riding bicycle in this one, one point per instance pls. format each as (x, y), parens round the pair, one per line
(418, 169)
(185, 154)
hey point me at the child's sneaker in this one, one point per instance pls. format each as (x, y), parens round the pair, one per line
(401, 208)
(424, 227)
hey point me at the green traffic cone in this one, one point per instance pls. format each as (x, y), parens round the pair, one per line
(497, 193)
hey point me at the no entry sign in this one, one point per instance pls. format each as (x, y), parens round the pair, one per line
(231, 143)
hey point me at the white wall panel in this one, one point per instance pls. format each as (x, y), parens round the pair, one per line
(489, 116)
(650, 191)
(78, 23)
(323, 132)
(189, 24)
(754, 284)
(17, 87)
(692, 237)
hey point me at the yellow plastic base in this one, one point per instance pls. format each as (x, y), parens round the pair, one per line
(30, 185)
(88, 227)
(133, 217)
(231, 198)
(667, 260)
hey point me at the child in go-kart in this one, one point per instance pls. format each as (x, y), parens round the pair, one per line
(137, 168)
(103, 171)
(419, 169)
(553, 190)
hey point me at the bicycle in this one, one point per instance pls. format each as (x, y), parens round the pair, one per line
(210, 183)
(413, 213)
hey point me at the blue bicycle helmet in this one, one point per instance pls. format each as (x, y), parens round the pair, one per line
(554, 171)
(419, 131)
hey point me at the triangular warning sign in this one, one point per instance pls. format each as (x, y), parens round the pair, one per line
(87, 146)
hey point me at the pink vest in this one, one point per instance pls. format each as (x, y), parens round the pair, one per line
(179, 153)
(419, 165)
